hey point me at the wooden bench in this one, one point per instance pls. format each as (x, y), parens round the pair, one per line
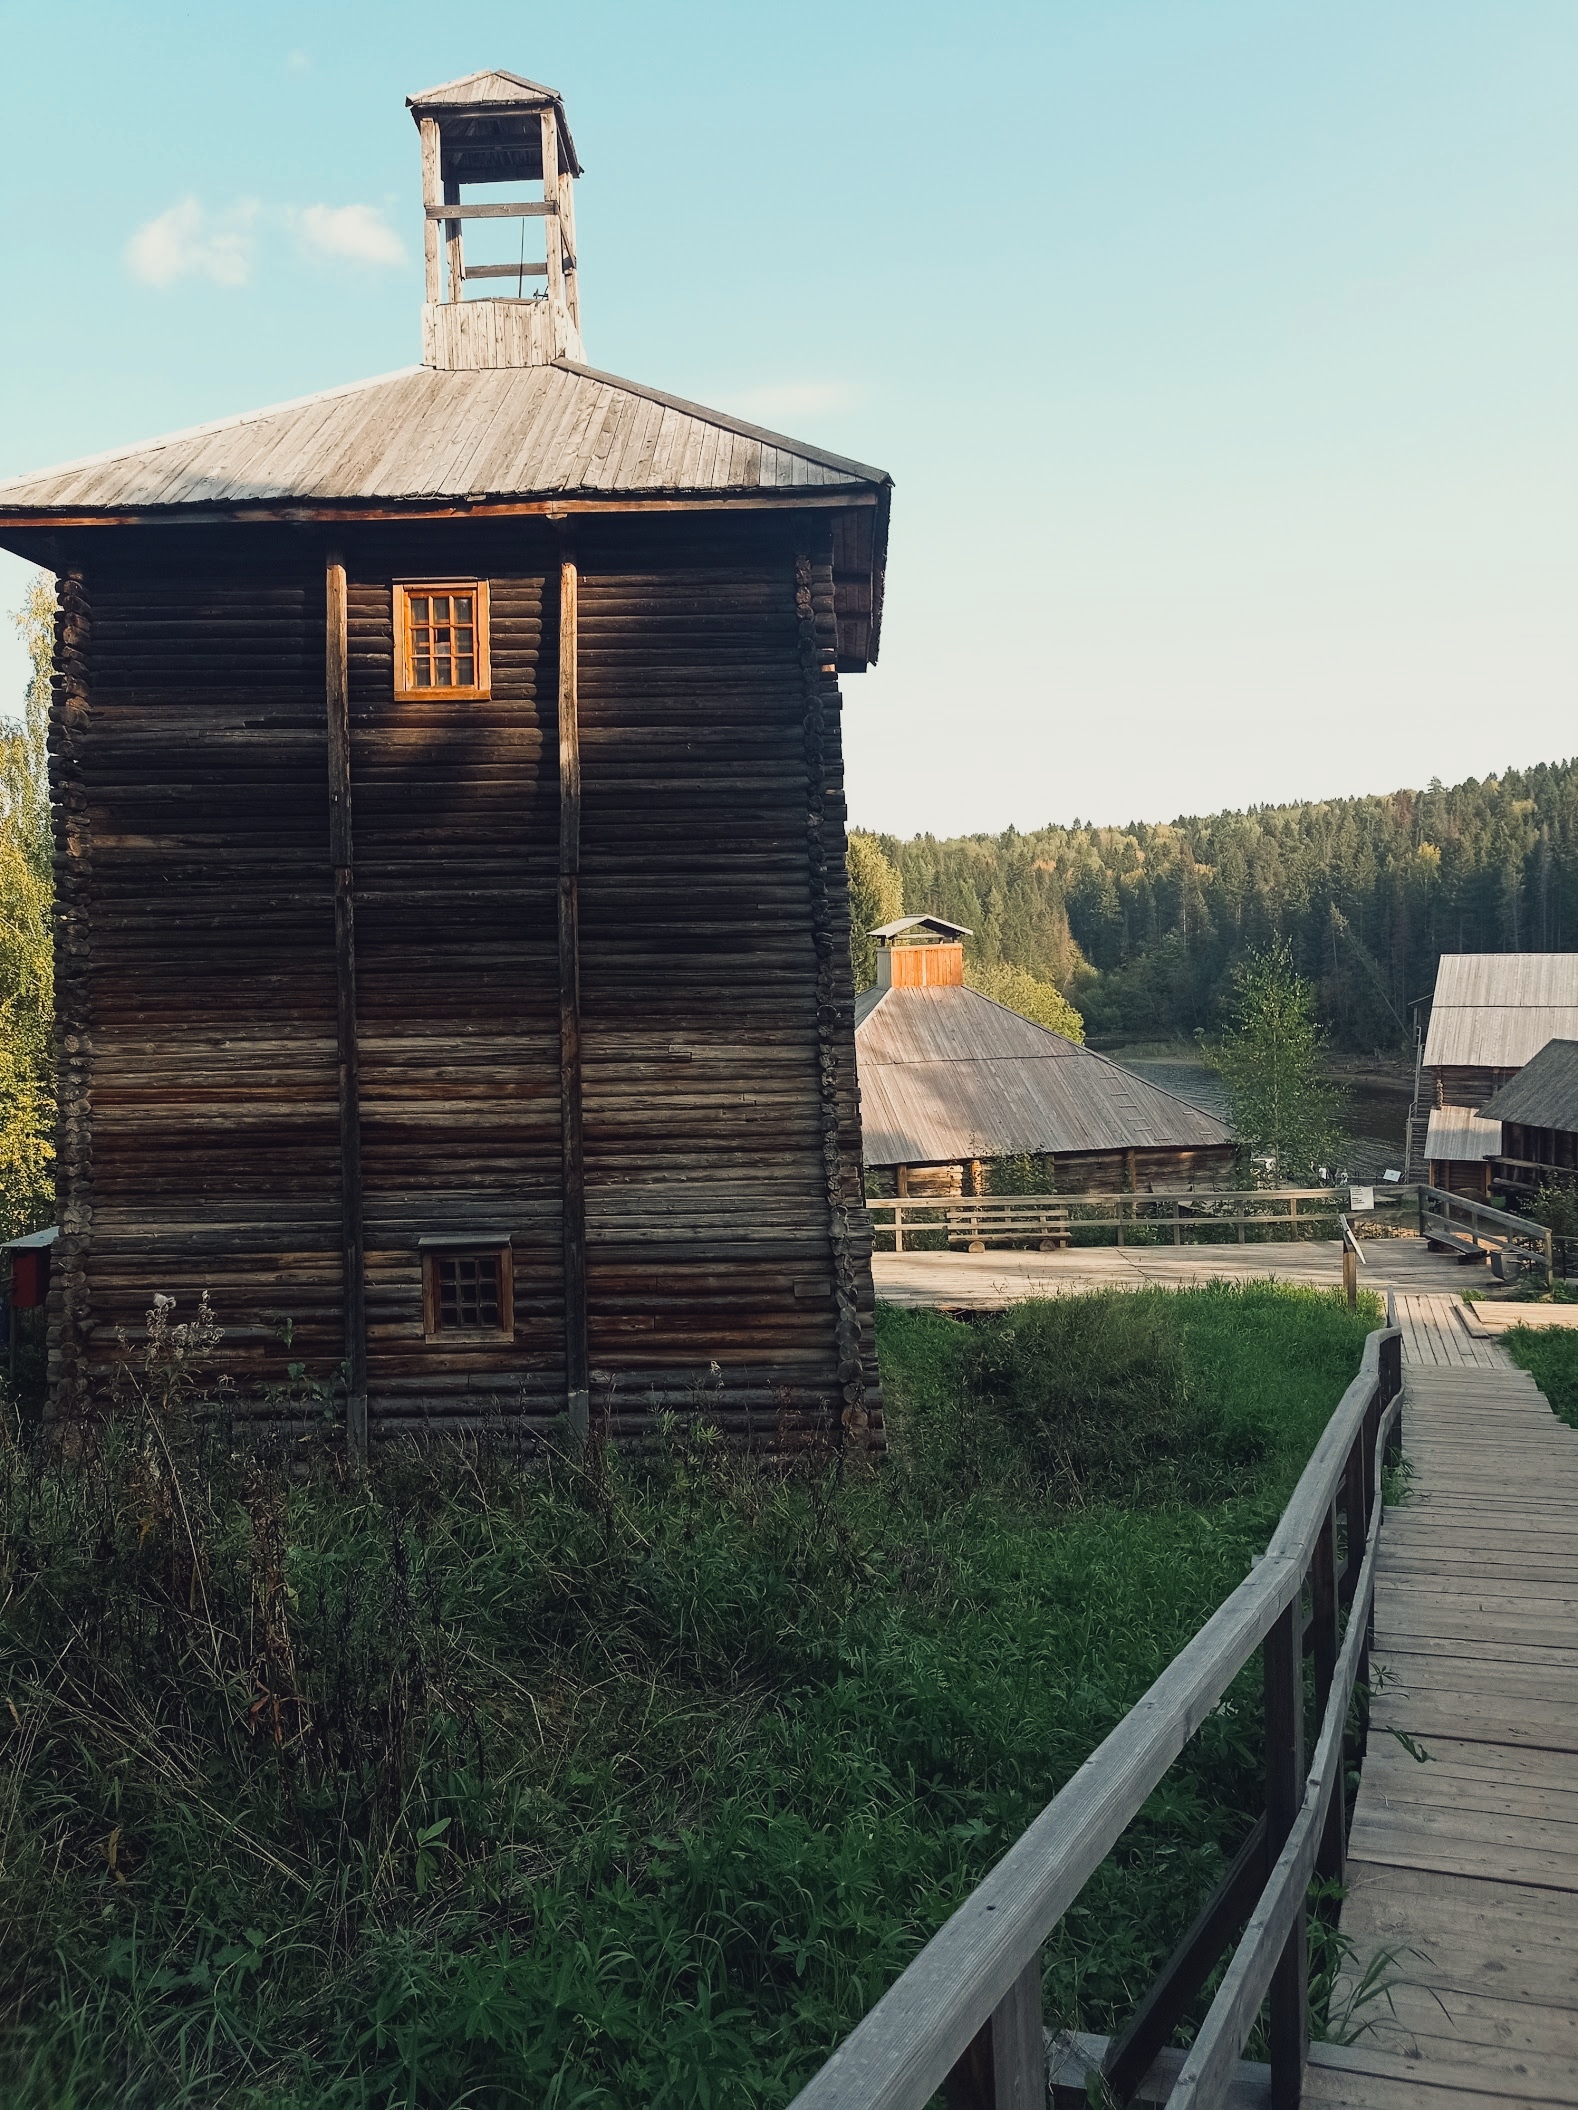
(976, 1225)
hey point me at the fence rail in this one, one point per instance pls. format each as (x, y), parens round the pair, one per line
(966, 2014)
(1475, 1227)
(982, 1220)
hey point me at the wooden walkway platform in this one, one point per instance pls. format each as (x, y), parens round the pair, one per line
(1463, 1868)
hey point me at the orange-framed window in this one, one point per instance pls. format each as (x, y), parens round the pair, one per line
(441, 638)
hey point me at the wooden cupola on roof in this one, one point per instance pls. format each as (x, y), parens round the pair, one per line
(485, 129)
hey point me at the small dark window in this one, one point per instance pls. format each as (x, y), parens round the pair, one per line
(441, 639)
(467, 1292)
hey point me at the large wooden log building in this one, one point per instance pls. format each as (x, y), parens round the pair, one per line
(950, 1081)
(427, 756)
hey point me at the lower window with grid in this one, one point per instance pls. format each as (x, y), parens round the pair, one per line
(466, 1292)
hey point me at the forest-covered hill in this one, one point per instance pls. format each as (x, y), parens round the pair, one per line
(1140, 925)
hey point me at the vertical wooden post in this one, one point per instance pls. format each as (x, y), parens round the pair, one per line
(354, 1290)
(1289, 2009)
(454, 246)
(1350, 1276)
(572, 275)
(432, 194)
(550, 198)
(1005, 2067)
(576, 1351)
(1324, 1613)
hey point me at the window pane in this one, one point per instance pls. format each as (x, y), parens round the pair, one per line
(469, 1299)
(442, 640)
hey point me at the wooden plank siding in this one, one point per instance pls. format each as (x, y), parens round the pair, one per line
(201, 1147)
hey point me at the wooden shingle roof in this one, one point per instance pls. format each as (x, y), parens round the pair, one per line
(946, 1074)
(1544, 1094)
(472, 441)
(425, 434)
(1495, 1010)
(473, 152)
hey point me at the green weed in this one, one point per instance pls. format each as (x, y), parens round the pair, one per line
(472, 1781)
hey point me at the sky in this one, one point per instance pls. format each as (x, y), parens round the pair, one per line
(1221, 351)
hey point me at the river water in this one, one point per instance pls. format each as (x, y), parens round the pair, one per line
(1373, 1116)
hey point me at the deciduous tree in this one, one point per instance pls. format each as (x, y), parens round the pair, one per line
(1269, 1059)
(26, 946)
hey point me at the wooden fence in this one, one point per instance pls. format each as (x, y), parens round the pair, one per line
(1472, 1227)
(1052, 1218)
(966, 2014)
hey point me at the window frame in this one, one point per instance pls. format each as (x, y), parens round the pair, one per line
(465, 1246)
(405, 686)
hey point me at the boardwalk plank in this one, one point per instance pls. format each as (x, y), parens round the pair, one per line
(1463, 1870)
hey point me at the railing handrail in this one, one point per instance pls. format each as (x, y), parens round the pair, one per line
(1170, 1194)
(1523, 1225)
(899, 2054)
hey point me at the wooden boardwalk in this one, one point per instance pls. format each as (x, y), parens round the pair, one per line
(1463, 1869)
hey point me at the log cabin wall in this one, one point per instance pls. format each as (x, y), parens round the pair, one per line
(195, 943)
(727, 1250)
(1468, 1087)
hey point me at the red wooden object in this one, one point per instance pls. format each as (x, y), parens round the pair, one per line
(29, 1277)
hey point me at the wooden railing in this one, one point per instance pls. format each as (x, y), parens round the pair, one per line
(966, 2014)
(1474, 1227)
(992, 1219)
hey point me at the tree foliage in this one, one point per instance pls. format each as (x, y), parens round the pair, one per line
(1142, 926)
(876, 896)
(26, 945)
(1269, 1059)
(1021, 992)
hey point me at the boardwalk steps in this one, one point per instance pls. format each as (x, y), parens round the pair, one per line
(1460, 1988)
(1463, 1865)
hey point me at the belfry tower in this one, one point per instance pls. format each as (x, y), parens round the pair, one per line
(493, 128)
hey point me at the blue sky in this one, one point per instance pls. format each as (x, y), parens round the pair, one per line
(1223, 353)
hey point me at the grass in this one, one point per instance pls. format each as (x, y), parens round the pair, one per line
(1550, 1355)
(476, 1783)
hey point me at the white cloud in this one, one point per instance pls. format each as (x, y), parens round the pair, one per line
(188, 242)
(790, 399)
(358, 233)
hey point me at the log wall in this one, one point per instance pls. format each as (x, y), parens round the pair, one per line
(727, 1245)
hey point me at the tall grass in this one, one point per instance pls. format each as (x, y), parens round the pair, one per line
(468, 1781)
(1550, 1355)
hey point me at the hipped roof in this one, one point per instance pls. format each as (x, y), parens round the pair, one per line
(1545, 1093)
(493, 93)
(946, 1074)
(423, 434)
(1496, 1010)
(423, 442)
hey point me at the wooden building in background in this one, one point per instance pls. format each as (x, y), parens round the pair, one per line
(1537, 1122)
(427, 754)
(1491, 1014)
(950, 1080)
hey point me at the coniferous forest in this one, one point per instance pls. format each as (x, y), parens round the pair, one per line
(1141, 925)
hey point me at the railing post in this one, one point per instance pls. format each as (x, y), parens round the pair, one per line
(1005, 2067)
(1289, 2004)
(1327, 1644)
(898, 1227)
